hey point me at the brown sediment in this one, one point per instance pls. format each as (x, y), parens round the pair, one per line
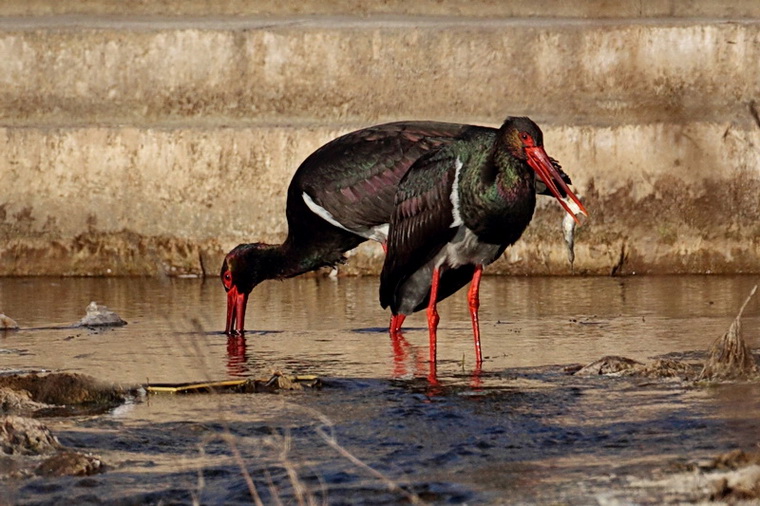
(64, 389)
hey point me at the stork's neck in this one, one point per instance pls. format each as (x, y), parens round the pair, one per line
(285, 261)
(501, 198)
(270, 261)
(294, 259)
(514, 179)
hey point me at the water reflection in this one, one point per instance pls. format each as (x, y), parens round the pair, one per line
(337, 328)
(237, 359)
(516, 428)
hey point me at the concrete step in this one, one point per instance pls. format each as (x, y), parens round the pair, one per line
(481, 8)
(117, 200)
(146, 145)
(92, 69)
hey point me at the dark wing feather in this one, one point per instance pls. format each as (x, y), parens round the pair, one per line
(355, 176)
(421, 221)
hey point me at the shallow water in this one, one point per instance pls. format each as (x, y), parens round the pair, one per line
(519, 430)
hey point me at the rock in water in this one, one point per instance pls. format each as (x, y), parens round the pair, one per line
(70, 463)
(7, 323)
(730, 356)
(610, 366)
(26, 436)
(100, 316)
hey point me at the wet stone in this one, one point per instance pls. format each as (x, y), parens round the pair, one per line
(669, 368)
(7, 323)
(64, 389)
(18, 402)
(100, 316)
(729, 478)
(734, 459)
(70, 463)
(26, 436)
(661, 368)
(740, 485)
(609, 366)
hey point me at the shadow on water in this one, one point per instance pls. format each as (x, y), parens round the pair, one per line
(519, 429)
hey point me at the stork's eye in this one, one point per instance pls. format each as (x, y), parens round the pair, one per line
(227, 280)
(527, 140)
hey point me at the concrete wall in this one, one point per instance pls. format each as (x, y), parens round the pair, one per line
(147, 145)
(472, 8)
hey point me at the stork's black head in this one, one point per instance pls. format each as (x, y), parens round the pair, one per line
(243, 268)
(521, 133)
(525, 141)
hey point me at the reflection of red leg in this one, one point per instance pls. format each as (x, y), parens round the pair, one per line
(473, 298)
(236, 356)
(476, 381)
(433, 319)
(400, 352)
(400, 345)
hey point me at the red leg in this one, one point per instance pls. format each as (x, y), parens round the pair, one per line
(433, 319)
(473, 298)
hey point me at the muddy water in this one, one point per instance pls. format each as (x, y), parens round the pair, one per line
(519, 430)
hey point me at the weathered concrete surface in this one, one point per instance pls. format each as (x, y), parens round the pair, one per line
(484, 8)
(663, 197)
(341, 69)
(148, 145)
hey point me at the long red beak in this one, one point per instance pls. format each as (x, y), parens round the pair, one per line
(236, 303)
(540, 162)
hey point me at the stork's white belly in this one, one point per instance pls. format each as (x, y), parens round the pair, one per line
(464, 249)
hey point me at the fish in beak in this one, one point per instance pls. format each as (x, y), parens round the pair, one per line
(542, 164)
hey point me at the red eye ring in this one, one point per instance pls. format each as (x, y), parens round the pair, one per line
(227, 280)
(524, 136)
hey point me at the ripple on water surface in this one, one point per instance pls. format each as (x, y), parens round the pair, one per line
(520, 428)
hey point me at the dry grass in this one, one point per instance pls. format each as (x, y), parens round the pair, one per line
(730, 357)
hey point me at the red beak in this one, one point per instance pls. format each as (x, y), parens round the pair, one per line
(236, 303)
(540, 162)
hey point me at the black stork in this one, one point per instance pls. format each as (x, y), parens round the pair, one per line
(340, 196)
(456, 210)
